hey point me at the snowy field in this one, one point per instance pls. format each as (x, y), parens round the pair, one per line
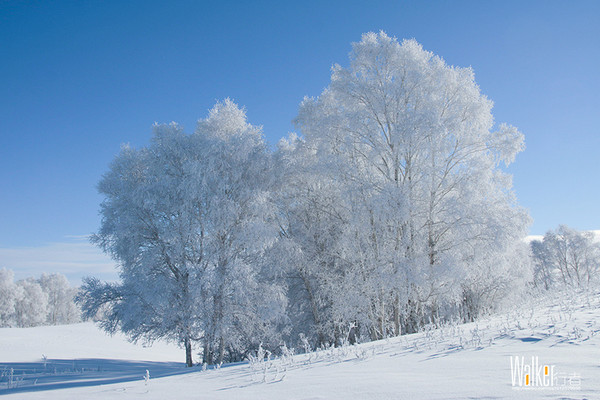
(471, 361)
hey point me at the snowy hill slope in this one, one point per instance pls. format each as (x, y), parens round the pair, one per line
(452, 362)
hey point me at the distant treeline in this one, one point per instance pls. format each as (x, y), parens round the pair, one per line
(32, 302)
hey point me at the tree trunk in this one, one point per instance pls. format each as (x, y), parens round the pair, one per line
(382, 322)
(221, 350)
(397, 330)
(206, 356)
(188, 352)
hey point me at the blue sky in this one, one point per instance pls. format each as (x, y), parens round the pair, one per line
(78, 78)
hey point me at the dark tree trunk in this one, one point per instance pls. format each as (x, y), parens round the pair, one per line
(396, 310)
(221, 350)
(207, 356)
(188, 352)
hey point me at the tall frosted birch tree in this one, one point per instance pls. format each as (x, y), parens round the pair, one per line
(415, 144)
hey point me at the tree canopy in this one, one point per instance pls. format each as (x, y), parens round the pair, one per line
(390, 210)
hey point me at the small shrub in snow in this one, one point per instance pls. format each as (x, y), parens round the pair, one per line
(287, 356)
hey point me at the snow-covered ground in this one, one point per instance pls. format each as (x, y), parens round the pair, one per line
(471, 361)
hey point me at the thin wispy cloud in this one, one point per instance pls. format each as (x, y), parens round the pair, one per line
(75, 257)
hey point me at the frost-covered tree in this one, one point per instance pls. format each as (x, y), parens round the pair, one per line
(568, 257)
(186, 220)
(8, 297)
(238, 230)
(61, 306)
(148, 228)
(31, 304)
(312, 218)
(412, 141)
(543, 275)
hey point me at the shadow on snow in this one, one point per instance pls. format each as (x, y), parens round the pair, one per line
(61, 374)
